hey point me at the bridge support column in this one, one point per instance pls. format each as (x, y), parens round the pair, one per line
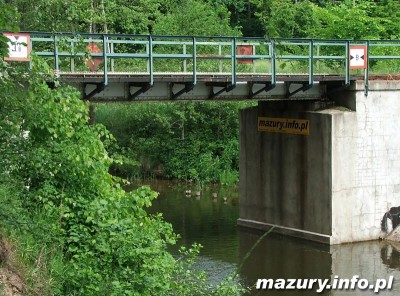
(335, 184)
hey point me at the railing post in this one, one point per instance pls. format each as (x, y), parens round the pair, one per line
(366, 71)
(105, 59)
(148, 60)
(184, 60)
(254, 64)
(56, 58)
(30, 60)
(151, 60)
(220, 60)
(273, 62)
(112, 59)
(234, 61)
(311, 63)
(347, 63)
(72, 60)
(194, 61)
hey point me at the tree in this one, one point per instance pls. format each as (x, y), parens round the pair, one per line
(96, 16)
(388, 12)
(108, 244)
(283, 18)
(345, 19)
(242, 16)
(43, 15)
(195, 17)
(115, 16)
(347, 22)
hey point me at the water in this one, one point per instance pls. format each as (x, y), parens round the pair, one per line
(212, 223)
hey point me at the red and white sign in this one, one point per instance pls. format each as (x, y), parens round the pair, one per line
(94, 63)
(358, 57)
(19, 47)
(245, 50)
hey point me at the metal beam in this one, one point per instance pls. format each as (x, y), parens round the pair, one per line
(143, 87)
(304, 86)
(188, 86)
(99, 88)
(267, 87)
(226, 86)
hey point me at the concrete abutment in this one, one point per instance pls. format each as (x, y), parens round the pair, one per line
(333, 185)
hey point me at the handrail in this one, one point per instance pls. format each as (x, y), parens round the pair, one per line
(217, 54)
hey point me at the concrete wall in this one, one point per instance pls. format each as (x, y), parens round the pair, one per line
(366, 162)
(285, 179)
(334, 185)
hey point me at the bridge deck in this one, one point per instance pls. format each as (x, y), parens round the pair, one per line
(188, 77)
(193, 67)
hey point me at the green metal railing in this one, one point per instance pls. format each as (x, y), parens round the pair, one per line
(198, 55)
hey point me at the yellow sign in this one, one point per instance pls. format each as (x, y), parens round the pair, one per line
(284, 125)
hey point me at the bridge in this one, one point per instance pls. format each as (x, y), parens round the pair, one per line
(319, 155)
(142, 68)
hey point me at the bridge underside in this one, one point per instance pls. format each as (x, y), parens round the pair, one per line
(211, 86)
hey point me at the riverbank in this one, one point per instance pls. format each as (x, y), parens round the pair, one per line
(11, 280)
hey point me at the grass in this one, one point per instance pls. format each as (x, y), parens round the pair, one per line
(32, 256)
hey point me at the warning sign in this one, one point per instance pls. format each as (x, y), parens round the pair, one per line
(358, 57)
(18, 47)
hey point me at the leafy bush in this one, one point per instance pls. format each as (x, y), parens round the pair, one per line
(102, 235)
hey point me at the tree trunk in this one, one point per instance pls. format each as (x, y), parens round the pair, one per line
(103, 11)
(92, 114)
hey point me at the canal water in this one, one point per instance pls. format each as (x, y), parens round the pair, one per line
(212, 223)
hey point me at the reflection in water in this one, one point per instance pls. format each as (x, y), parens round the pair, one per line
(390, 255)
(212, 223)
(286, 258)
(363, 259)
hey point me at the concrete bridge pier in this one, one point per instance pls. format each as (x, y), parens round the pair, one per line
(333, 185)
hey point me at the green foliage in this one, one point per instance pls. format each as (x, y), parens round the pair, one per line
(363, 19)
(347, 22)
(69, 216)
(117, 16)
(360, 19)
(283, 18)
(242, 16)
(8, 23)
(197, 141)
(35, 246)
(114, 16)
(95, 238)
(388, 14)
(42, 15)
(189, 17)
